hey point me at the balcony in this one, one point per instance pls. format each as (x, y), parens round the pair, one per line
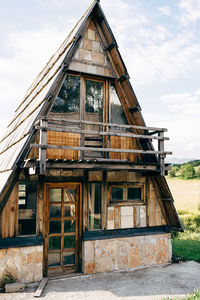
(81, 144)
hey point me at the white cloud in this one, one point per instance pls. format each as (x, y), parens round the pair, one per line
(189, 11)
(165, 10)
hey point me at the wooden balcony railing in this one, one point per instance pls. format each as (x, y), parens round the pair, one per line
(88, 129)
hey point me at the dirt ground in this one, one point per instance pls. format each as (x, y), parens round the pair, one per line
(173, 280)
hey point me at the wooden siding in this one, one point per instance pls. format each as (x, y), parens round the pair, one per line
(123, 143)
(62, 139)
(155, 215)
(9, 215)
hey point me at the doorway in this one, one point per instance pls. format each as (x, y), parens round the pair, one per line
(62, 249)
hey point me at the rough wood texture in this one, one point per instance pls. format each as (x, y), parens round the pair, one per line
(9, 215)
(123, 143)
(64, 139)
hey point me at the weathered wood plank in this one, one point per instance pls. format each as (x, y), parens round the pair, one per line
(98, 149)
(40, 287)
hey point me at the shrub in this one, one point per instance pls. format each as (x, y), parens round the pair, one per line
(6, 278)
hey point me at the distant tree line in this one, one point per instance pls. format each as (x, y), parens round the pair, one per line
(187, 170)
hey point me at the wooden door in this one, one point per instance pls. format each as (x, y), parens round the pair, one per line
(62, 228)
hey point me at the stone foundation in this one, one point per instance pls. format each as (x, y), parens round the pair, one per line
(24, 263)
(126, 253)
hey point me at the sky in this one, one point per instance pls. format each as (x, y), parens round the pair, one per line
(159, 41)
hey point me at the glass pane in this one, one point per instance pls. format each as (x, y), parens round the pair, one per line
(117, 113)
(69, 195)
(94, 99)
(134, 193)
(53, 259)
(69, 241)
(117, 193)
(54, 242)
(69, 210)
(27, 202)
(68, 258)
(67, 100)
(69, 225)
(55, 211)
(55, 195)
(94, 205)
(55, 227)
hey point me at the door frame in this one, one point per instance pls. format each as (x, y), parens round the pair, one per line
(46, 220)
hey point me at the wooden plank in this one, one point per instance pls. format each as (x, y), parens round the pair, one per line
(40, 287)
(104, 124)
(99, 149)
(42, 151)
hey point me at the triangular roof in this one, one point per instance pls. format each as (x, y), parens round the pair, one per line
(21, 132)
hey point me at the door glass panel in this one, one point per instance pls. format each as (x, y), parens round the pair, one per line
(69, 195)
(69, 258)
(54, 242)
(69, 210)
(55, 227)
(55, 211)
(53, 259)
(94, 100)
(69, 241)
(55, 195)
(69, 225)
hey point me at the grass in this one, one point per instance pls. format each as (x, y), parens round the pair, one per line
(194, 296)
(186, 245)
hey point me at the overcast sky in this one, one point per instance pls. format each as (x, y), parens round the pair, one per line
(159, 41)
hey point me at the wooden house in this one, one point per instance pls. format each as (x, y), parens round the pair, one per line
(82, 188)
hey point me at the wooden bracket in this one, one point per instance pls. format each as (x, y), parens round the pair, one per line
(122, 78)
(110, 47)
(134, 109)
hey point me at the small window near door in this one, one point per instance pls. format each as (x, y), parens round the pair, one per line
(27, 199)
(94, 206)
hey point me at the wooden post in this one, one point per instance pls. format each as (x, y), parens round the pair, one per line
(42, 151)
(161, 156)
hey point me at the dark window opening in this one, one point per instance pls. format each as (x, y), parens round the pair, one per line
(126, 193)
(94, 206)
(27, 199)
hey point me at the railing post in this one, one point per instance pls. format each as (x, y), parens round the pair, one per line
(42, 151)
(161, 156)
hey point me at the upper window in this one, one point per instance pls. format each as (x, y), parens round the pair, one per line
(68, 99)
(27, 199)
(126, 193)
(117, 114)
(94, 99)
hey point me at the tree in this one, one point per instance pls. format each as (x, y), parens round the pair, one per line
(187, 171)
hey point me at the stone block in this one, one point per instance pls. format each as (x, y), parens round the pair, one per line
(149, 260)
(96, 46)
(162, 257)
(134, 259)
(126, 221)
(35, 258)
(91, 35)
(98, 57)
(87, 44)
(88, 251)
(2, 253)
(89, 268)
(14, 287)
(85, 54)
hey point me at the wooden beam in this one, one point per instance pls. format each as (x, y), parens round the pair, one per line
(44, 146)
(102, 133)
(104, 124)
(42, 150)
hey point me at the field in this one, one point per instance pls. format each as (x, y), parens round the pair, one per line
(186, 193)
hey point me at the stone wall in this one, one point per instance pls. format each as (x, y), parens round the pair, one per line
(24, 263)
(126, 253)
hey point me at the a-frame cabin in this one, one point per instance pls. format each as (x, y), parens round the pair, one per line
(82, 187)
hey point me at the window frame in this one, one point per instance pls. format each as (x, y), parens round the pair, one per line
(101, 214)
(125, 187)
(24, 207)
